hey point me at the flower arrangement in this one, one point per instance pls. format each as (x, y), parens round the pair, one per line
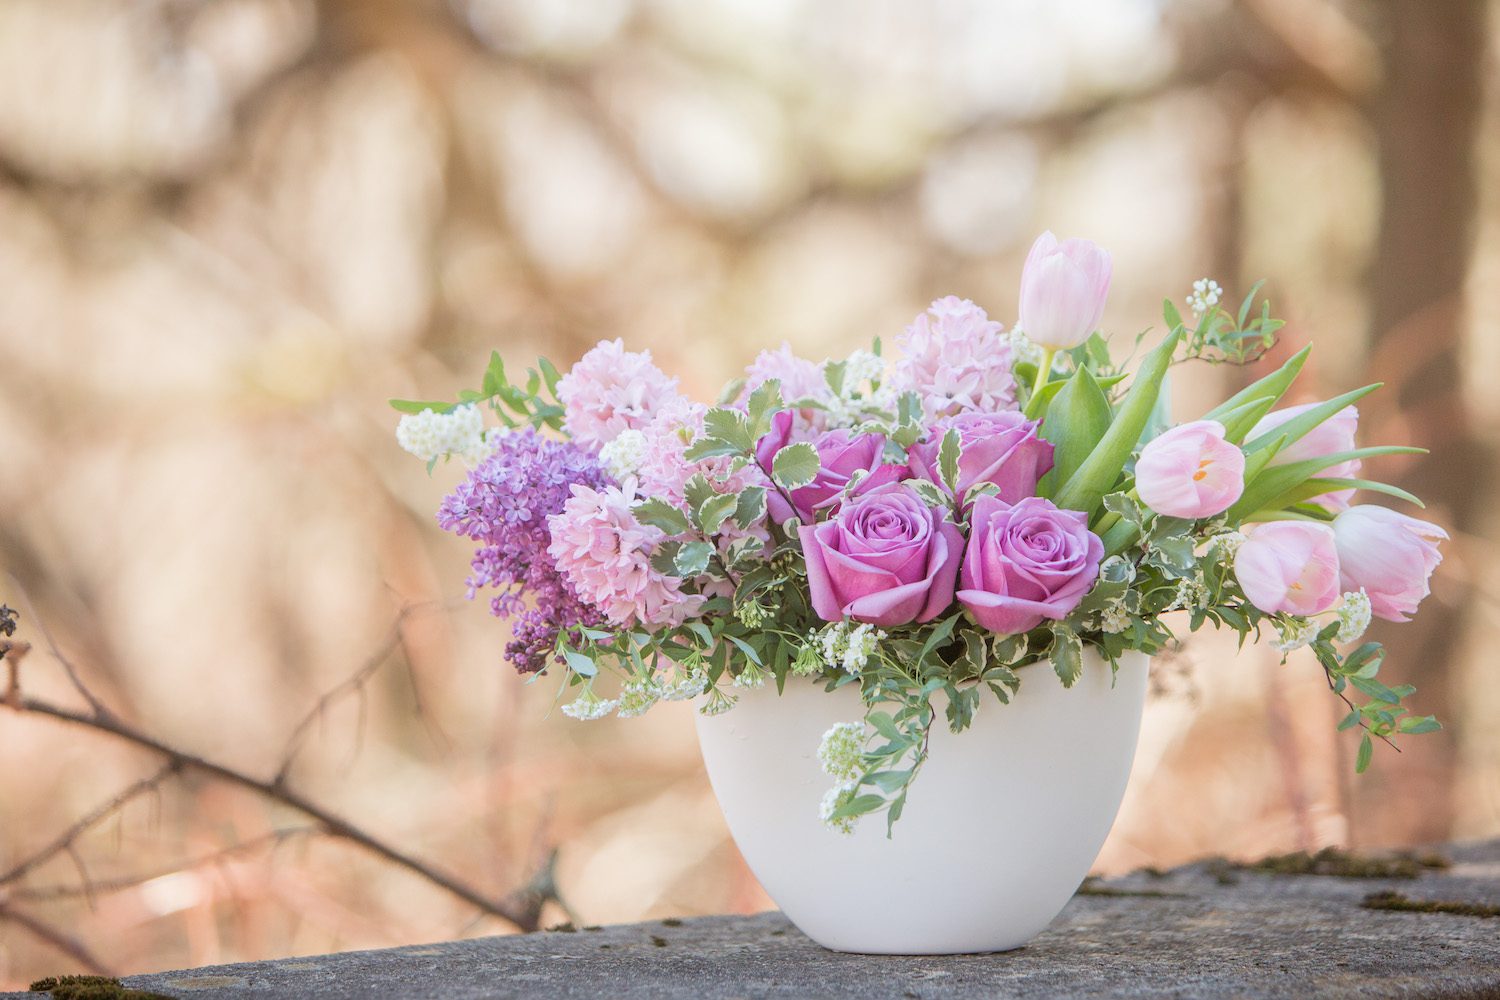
(930, 528)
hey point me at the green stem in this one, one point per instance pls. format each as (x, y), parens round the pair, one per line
(1043, 374)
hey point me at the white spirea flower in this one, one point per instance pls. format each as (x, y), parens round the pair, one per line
(750, 677)
(1204, 296)
(1354, 616)
(859, 646)
(1191, 595)
(1114, 619)
(623, 456)
(1226, 545)
(1023, 348)
(589, 706)
(689, 685)
(430, 435)
(862, 367)
(637, 697)
(835, 797)
(1295, 634)
(718, 702)
(840, 750)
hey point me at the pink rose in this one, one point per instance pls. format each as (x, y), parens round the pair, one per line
(1289, 566)
(885, 558)
(1001, 448)
(1026, 562)
(1063, 287)
(841, 454)
(1389, 555)
(1332, 436)
(1190, 471)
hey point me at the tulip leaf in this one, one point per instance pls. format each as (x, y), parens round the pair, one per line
(1241, 420)
(1052, 388)
(1273, 481)
(1076, 420)
(1295, 428)
(1099, 472)
(1318, 486)
(1271, 389)
(795, 466)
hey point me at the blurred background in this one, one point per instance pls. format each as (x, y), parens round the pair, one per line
(230, 230)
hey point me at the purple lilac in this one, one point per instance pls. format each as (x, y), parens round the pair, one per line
(504, 505)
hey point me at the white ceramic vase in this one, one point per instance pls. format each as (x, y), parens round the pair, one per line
(1000, 828)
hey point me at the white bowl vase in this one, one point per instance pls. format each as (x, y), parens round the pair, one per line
(1000, 828)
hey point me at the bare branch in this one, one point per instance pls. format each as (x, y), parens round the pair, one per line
(64, 943)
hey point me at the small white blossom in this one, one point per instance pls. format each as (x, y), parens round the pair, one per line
(1204, 296)
(1114, 618)
(718, 702)
(750, 677)
(835, 797)
(839, 753)
(1191, 595)
(1295, 633)
(589, 706)
(430, 435)
(1023, 349)
(686, 686)
(637, 697)
(1354, 615)
(623, 456)
(847, 646)
(1226, 545)
(862, 367)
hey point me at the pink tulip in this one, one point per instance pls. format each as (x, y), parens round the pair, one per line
(1190, 471)
(1332, 436)
(1063, 287)
(1289, 566)
(1389, 555)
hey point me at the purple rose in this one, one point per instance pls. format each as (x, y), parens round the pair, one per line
(1025, 562)
(1001, 448)
(885, 558)
(840, 454)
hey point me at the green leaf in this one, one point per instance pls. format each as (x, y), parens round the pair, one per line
(1366, 751)
(714, 511)
(1317, 487)
(730, 427)
(1269, 389)
(494, 375)
(858, 806)
(1241, 420)
(550, 376)
(1416, 726)
(1294, 429)
(1268, 483)
(1171, 315)
(1075, 422)
(747, 649)
(949, 453)
(1066, 654)
(762, 405)
(660, 514)
(795, 466)
(885, 726)
(750, 506)
(692, 559)
(1099, 472)
(417, 406)
(580, 663)
(1349, 721)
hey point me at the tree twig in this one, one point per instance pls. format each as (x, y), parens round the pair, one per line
(63, 942)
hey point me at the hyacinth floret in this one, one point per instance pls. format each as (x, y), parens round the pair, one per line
(956, 359)
(503, 504)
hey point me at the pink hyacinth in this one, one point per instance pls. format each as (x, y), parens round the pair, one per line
(1389, 555)
(956, 359)
(610, 390)
(1190, 471)
(605, 553)
(1334, 435)
(1289, 566)
(799, 377)
(1063, 288)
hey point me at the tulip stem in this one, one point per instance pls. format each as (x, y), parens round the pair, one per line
(1043, 375)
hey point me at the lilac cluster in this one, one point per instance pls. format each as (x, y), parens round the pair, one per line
(504, 505)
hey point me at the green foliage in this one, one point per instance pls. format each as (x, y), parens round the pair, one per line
(1076, 421)
(532, 403)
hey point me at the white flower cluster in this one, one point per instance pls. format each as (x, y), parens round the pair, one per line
(589, 706)
(637, 698)
(859, 395)
(623, 456)
(1191, 594)
(847, 645)
(686, 686)
(1295, 633)
(1114, 618)
(1204, 296)
(1024, 350)
(1223, 547)
(839, 753)
(1354, 616)
(430, 435)
(835, 797)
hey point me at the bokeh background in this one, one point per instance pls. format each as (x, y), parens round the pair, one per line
(230, 230)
